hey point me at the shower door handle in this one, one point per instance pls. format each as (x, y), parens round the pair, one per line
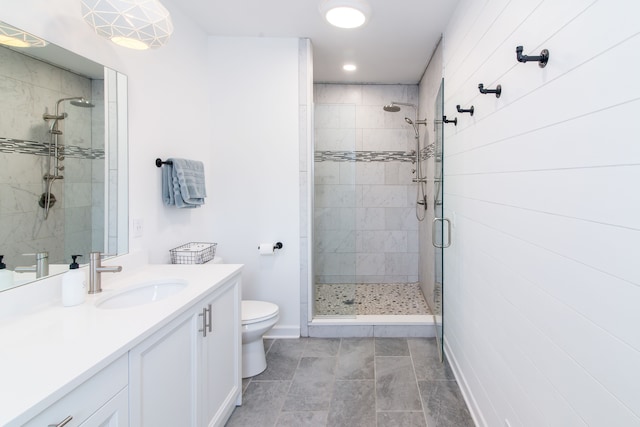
(433, 233)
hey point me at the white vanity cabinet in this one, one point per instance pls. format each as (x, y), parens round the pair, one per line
(188, 373)
(99, 401)
(172, 362)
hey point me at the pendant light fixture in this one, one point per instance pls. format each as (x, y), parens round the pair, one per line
(136, 24)
(11, 36)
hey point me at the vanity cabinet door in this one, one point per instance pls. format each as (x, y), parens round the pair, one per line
(163, 375)
(221, 356)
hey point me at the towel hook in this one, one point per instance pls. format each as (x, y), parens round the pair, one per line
(159, 162)
(460, 110)
(454, 121)
(497, 90)
(542, 59)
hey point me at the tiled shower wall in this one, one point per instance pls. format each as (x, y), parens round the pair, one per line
(30, 88)
(365, 226)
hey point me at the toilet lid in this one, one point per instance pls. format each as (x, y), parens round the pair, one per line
(257, 311)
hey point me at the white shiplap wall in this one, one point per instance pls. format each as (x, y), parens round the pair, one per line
(542, 282)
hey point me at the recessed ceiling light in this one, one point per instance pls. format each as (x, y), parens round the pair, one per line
(345, 13)
(349, 67)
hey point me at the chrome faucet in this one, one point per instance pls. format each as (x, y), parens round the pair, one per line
(95, 268)
(41, 268)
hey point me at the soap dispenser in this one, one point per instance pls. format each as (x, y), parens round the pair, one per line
(74, 285)
(6, 276)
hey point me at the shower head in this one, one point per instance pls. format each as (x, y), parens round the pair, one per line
(81, 102)
(414, 126)
(78, 101)
(394, 107)
(417, 122)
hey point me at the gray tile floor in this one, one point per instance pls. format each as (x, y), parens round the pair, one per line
(352, 382)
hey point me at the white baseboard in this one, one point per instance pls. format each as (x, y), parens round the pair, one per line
(472, 404)
(280, 332)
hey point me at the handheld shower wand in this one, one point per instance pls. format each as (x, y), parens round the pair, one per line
(420, 180)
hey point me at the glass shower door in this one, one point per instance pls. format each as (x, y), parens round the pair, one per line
(441, 231)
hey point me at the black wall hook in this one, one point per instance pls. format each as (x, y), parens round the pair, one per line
(454, 121)
(497, 90)
(460, 110)
(542, 59)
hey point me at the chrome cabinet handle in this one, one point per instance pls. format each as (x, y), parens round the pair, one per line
(433, 233)
(62, 423)
(204, 322)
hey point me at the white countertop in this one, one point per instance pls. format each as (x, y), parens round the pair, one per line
(46, 353)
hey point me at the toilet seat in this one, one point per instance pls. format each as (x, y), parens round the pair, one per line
(257, 311)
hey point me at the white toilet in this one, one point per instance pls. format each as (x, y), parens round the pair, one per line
(257, 318)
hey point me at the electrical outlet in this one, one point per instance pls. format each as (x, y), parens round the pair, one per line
(138, 227)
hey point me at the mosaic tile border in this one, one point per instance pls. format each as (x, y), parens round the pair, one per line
(20, 146)
(363, 156)
(372, 156)
(428, 151)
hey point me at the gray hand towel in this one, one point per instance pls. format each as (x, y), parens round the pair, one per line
(188, 183)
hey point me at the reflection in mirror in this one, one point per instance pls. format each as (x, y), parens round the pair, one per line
(63, 156)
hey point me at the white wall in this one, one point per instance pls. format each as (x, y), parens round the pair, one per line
(542, 282)
(253, 90)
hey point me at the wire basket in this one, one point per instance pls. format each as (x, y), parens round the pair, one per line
(193, 253)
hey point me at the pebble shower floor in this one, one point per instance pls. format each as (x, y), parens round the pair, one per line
(338, 299)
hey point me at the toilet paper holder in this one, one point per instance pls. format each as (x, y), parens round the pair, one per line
(277, 245)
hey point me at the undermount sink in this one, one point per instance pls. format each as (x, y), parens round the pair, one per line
(144, 293)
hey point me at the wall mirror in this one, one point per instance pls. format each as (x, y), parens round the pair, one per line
(63, 160)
